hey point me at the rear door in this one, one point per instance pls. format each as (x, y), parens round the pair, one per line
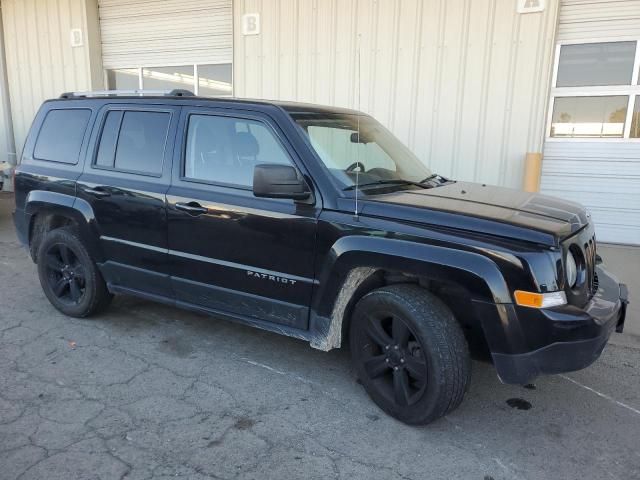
(232, 252)
(125, 183)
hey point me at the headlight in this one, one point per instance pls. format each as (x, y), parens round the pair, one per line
(571, 269)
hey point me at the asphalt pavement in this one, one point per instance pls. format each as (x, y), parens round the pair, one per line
(149, 391)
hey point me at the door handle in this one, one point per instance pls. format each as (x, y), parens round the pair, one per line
(192, 208)
(97, 192)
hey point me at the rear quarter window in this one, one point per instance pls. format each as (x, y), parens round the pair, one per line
(133, 141)
(61, 134)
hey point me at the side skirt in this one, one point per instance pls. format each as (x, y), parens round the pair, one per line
(244, 320)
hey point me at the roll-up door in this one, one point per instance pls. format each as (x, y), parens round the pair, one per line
(138, 33)
(592, 150)
(582, 19)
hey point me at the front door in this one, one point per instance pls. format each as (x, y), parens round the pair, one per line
(232, 252)
(125, 183)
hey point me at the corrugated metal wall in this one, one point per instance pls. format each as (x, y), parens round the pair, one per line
(603, 176)
(463, 83)
(171, 32)
(589, 19)
(41, 63)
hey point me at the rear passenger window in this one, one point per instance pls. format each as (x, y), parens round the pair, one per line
(133, 141)
(61, 134)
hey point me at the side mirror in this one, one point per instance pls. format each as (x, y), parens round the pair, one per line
(272, 180)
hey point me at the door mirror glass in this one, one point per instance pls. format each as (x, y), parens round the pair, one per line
(271, 180)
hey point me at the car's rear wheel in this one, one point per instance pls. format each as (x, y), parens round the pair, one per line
(68, 275)
(409, 353)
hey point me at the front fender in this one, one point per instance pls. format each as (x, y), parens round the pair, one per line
(477, 273)
(353, 258)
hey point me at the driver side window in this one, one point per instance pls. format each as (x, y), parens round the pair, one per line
(225, 150)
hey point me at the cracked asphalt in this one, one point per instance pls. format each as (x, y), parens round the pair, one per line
(148, 391)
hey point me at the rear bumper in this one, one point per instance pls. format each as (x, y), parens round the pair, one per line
(575, 337)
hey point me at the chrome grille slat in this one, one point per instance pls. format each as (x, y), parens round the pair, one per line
(590, 260)
(585, 241)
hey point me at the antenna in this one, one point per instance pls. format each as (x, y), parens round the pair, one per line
(355, 214)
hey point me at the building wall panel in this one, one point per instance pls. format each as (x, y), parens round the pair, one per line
(463, 83)
(41, 63)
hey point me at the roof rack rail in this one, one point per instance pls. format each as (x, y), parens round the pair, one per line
(176, 92)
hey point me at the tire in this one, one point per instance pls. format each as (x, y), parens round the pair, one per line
(426, 376)
(69, 277)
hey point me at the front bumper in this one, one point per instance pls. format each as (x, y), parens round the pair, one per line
(561, 339)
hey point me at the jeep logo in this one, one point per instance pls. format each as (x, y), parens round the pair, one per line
(272, 278)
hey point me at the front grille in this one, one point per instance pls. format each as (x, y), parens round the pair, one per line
(590, 264)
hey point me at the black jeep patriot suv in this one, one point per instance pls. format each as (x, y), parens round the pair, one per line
(313, 222)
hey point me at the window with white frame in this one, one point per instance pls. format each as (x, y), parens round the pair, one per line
(596, 93)
(207, 80)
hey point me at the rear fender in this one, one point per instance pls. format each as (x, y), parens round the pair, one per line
(41, 202)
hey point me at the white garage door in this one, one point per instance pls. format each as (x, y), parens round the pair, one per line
(592, 151)
(170, 32)
(603, 177)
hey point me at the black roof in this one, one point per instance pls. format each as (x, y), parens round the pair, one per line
(288, 106)
(298, 107)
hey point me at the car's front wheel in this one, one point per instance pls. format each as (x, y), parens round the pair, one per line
(409, 353)
(69, 277)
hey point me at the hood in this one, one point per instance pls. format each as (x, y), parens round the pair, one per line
(499, 207)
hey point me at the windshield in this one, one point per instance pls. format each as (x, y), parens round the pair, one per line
(368, 151)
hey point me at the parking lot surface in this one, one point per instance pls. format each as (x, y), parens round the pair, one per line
(148, 391)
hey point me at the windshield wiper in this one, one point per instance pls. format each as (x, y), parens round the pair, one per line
(396, 181)
(435, 176)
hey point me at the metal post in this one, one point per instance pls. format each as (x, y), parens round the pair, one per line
(6, 106)
(532, 172)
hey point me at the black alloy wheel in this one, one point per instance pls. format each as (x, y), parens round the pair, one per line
(395, 361)
(65, 274)
(409, 353)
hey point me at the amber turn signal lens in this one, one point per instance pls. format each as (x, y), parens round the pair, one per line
(528, 299)
(539, 300)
